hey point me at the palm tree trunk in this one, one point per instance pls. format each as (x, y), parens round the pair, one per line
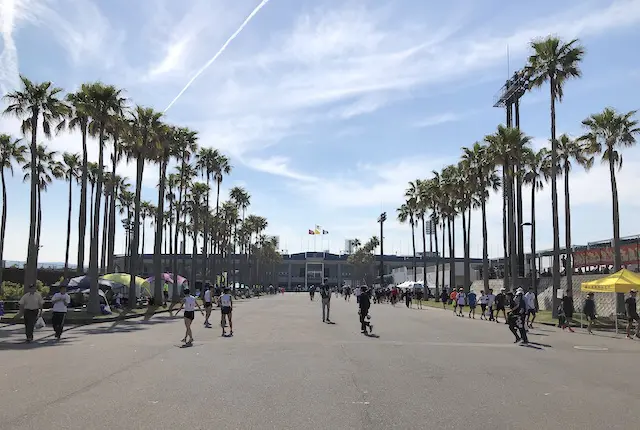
(444, 263)
(533, 240)
(435, 236)
(216, 235)
(113, 195)
(91, 210)
(206, 232)
(144, 227)
(513, 256)
(485, 245)
(452, 279)
(617, 255)
(30, 273)
(554, 199)
(424, 255)
(567, 232)
(82, 216)
(93, 307)
(465, 240)
(3, 226)
(176, 294)
(194, 251)
(66, 252)
(39, 228)
(136, 232)
(413, 245)
(105, 230)
(505, 237)
(157, 250)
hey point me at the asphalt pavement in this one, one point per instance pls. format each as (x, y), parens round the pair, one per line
(286, 369)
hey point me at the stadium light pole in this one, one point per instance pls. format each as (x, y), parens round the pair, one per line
(532, 264)
(381, 219)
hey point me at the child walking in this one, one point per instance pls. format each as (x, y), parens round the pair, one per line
(189, 303)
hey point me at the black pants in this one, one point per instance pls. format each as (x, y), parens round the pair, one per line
(363, 321)
(57, 320)
(30, 318)
(516, 324)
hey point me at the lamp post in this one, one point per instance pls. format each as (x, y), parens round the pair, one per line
(532, 264)
(381, 219)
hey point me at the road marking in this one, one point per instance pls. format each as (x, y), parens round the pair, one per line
(591, 348)
(360, 403)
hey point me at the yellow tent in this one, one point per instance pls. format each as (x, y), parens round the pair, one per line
(619, 282)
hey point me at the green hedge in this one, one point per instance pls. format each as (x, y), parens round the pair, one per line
(13, 291)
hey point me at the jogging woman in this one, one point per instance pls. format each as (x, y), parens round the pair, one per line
(226, 308)
(189, 303)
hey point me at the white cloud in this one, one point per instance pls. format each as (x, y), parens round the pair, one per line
(438, 119)
(278, 166)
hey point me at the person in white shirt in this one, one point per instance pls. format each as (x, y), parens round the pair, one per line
(461, 298)
(189, 303)
(530, 301)
(491, 301)
(60, 301)
(226, 309)
(208, 304)
(483, 300)
(357, 293)
(31, 307)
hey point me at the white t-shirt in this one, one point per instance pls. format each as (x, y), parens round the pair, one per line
(207, 296)
(461, 298)
(189, 304)
(491, 299)
(483, 299)
(60, 305)
(530, 300)
(357, 291)
(225, 300)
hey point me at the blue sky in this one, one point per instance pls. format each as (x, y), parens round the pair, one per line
(327, 109)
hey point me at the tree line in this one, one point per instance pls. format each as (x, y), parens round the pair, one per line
(135, 133)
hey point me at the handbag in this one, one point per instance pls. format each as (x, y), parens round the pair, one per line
(40, 323)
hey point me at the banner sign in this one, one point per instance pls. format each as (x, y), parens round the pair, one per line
(604, 256)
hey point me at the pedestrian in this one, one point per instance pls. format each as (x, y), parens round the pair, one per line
(453, 298)
(517, 316)
(444, 297)
(632, 314)
(483, 300)
(491, 303)
(530, 300)
(357, 293)
(325, 294)
(226, 311)
(208, 304)
(589, 311)
(31, 304)
(60, 301)
(165, 294)
(408, 297)
(419, 297)
(500, 302)
(189, 303)
(567, 306)
(461, 298)
(471, 299)
(364, 305)
(312, 292)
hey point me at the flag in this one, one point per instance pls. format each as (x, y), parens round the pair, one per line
(311, 231)
(316, 231)
(325, 232)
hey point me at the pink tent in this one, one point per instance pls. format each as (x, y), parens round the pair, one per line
(168, 278)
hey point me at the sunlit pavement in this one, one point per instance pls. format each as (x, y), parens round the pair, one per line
(285, 369)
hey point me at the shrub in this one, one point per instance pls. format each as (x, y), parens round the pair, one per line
(13, 290)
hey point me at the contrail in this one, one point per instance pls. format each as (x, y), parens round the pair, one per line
(215, 57)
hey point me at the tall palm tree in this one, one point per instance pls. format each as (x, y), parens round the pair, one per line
(417, 191)
(144, 123)
(467, 188)
(205, 163)
(534, 175)
(117, 127)
(231, 218)
(72, 163)
(126, 199)
(607, 133)
(407, 213)
(11, 151)
(146, 209)
(78, 119)
(105, 102)
(556, 62)
(195, 205)
(242, 199)
(449, 201)
(36, 105)
(221, 167)
(570, 150)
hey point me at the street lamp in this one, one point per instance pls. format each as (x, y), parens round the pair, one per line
(381, 219)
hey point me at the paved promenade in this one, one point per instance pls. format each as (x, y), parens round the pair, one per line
(285, 369)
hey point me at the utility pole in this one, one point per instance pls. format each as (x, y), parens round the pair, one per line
(381, 219)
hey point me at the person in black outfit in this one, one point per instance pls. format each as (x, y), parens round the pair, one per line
(501, 298)
(325, 293)
(364, 305)
(517, 316)
(632, 314)
(589, 310)
(444, 297)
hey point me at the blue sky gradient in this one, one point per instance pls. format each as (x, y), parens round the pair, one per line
(327, 109)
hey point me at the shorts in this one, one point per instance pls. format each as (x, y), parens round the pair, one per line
(483, 306)
(190, 315)
(460, 306)
(207, 305)
(225, 310)
(472, 307)
(531, 312)
(499, 308)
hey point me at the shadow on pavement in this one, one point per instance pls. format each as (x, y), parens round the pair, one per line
(44, 342)
(375, 336)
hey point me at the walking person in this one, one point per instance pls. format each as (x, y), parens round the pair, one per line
(31, 304)
(517, 316)
(530, 300)
(589, 311)
(312, 292)
(189, 303)
(208, 304)
(364, 304)
(500, 302)
(60, 301)
(471, 299)
(325, 294)
(453, 297)
(357, 293)
(483, 300)
(491, 303)
(444, 298)
(632, 314)
(461, 299)
(226, 311)
(567, 306)
(408, 297)
(419, 297)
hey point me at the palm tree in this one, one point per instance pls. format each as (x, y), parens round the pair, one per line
(143, 125)
(467, 188)
(205, 162)
(146, 209)
(230, 218)
(607, 133)
(92, 176)
(126, 199)
(554, 61)
(221, 167)
(407, 213)
(35, 104)
(241, 198)
(117, 127)
(417, 190)
(568, 150)
(198, 193)
(71, 163)
(78, 117)
(449, 202)
(534, 175)
(11, 151)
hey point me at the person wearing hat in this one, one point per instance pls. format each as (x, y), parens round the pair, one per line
(589, 311)
(632, 314)
(31, 305)
(517, 316)
(501, 299)
(325, 294)
(364, 304)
